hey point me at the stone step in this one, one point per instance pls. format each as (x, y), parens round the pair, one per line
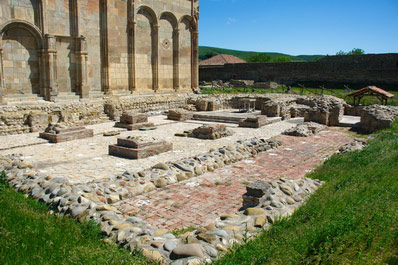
(95, 94)
(22, 98)
(350, 121)
(66, 96)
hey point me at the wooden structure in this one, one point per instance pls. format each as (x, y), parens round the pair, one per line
(371, 91)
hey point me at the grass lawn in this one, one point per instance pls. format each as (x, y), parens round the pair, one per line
(29, 234)
(352, 219)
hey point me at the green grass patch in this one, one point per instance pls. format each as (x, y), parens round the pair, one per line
(29, 234)
(352, 219)
(182, 231)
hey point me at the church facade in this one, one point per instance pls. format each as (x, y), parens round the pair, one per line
(60, 49)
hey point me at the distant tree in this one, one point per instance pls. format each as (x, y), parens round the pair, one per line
(209, 55)
(341, 53)
(259, 58)
(282, 59)
(355, 51)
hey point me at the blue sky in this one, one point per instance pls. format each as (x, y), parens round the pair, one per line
(300, 26)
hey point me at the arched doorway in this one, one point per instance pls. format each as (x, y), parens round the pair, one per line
(20, 59)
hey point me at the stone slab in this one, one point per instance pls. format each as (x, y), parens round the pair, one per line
(133, 127)
(224, 116)
(67, 135)
(179, 116)
(254, 122)
(136, 143)
(144, 152)
(133, 118)
(68, 130)
(350, 121)
(211, 132)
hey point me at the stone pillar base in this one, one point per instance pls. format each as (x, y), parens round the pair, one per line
(84, 92)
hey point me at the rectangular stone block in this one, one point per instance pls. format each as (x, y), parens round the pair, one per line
(133, 118)
(69, 134)
(139, 153)
(213, 106)
(135, 126)
(211, 132)
(137, 143)
(179, 115)
(254, 122)
(271, 109)
(319, 116)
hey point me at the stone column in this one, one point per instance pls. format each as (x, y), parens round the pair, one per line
(176, 59)
(195, 60)
(155, 57)
(51, 60)
(104, 46)
(1, 74)
(131, 54)
(42, 71)
(82, 58)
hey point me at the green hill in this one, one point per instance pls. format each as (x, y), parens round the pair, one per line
(203, 50)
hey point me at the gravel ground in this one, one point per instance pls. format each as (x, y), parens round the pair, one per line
(87, 159)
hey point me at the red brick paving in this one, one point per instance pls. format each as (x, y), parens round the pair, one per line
(180, 205)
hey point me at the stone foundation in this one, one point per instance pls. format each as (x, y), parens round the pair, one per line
(378, 117)
(305, 130)
(254, 122)
(210, 132)
(139, 148)
(179, 115)
(133, 121)
(18, 118)
(57, 135)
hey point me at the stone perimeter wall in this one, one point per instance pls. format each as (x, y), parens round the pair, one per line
(355, 70)
(84, 48)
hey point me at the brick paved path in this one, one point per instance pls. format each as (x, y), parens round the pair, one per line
(183, 204)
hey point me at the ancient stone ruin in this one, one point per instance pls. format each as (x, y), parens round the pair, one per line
(378, 117)
(179, 115)
(210, 132)
(116, 201)
(133, 121)
(305, 130)
(254, 122)
(58, 133)
(138, 147)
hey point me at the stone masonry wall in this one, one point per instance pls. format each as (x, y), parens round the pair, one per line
(61, 49)
(357, 71)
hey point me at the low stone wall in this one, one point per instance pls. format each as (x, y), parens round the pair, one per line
(377, 117)
(35, 116)
(115, 107)
(15, 119)
(19, 118)
(327, 110)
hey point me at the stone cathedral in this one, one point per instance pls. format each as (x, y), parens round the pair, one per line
(70, 49)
